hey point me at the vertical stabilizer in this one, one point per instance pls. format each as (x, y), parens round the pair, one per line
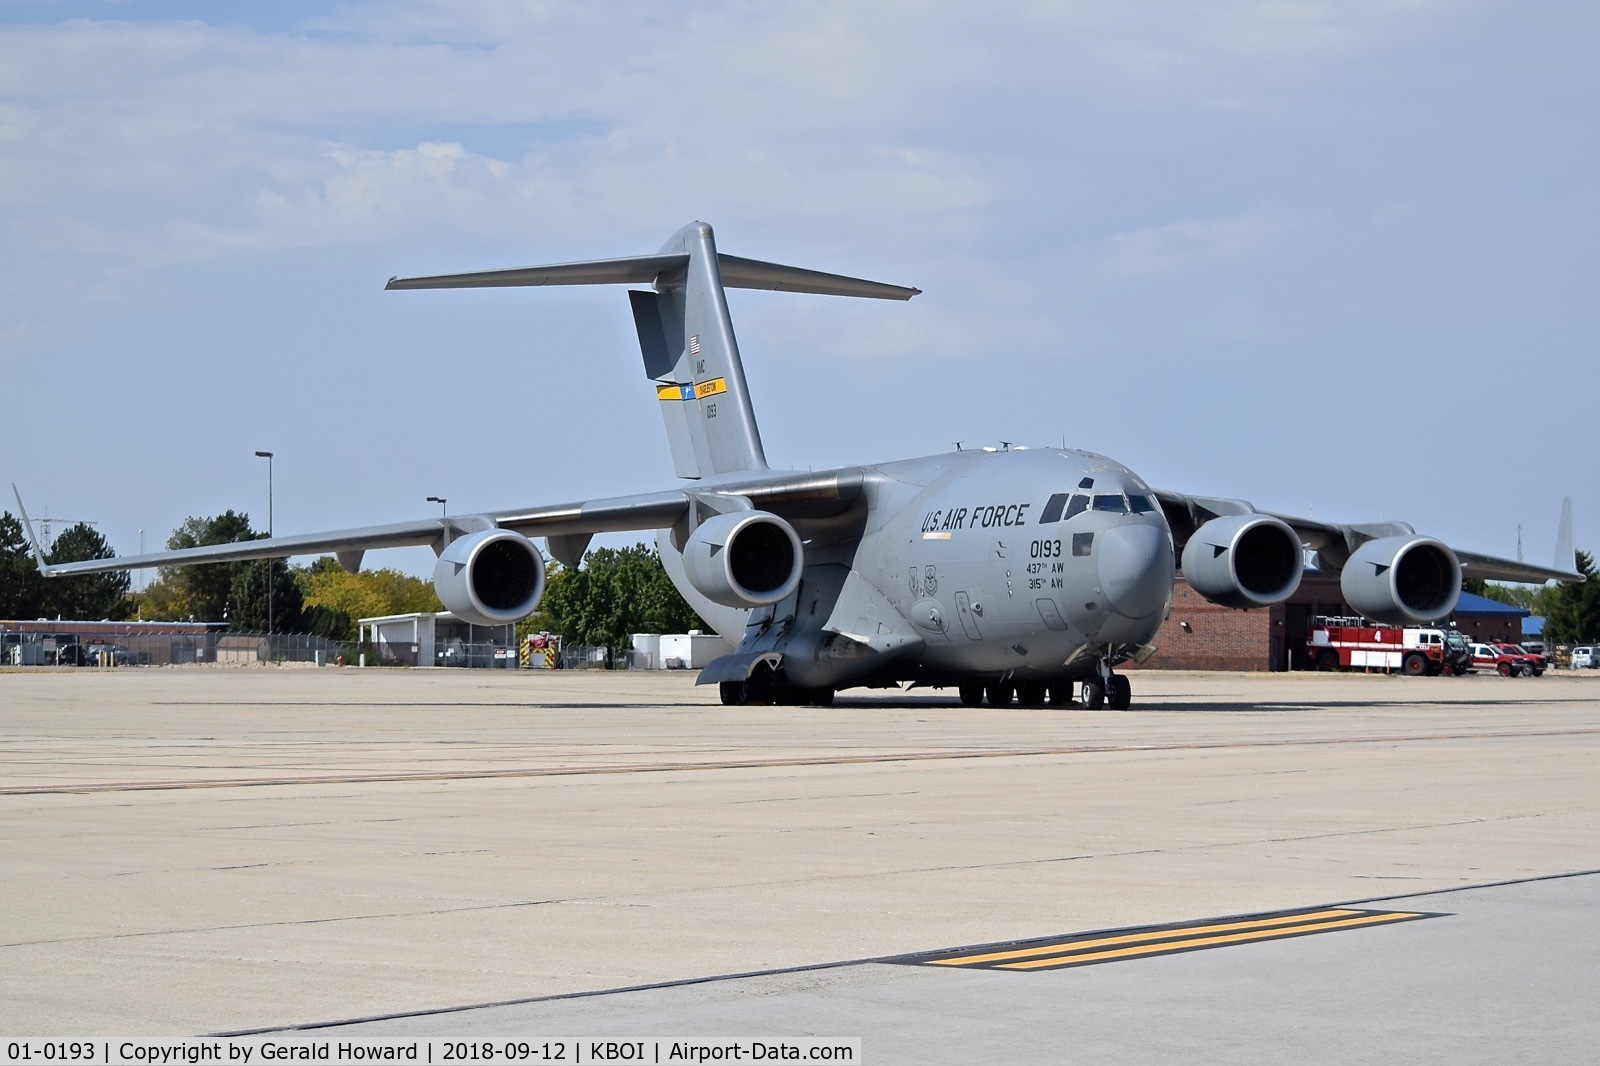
(686, 338)
(686, 334)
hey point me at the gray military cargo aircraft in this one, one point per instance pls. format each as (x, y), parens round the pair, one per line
(1008, 574)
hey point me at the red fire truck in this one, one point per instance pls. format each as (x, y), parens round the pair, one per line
(1338, 643)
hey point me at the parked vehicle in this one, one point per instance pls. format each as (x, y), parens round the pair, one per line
(1488, 657)
(1586, 657)
(1344, 643)
(1531, 663)
(71, 655)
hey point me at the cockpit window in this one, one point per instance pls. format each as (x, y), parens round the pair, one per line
(1077, 506)
(1111, 504)
(1140, 504)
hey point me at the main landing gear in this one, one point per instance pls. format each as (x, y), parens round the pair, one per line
(1107, 689)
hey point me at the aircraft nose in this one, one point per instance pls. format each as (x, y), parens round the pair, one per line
(1136, 568)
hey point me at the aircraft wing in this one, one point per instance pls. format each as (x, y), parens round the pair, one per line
(567, 526)
(1337, 541)
(649, 511)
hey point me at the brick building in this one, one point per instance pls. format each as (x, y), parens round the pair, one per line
(1200, 635)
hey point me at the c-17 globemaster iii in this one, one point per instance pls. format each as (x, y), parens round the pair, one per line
(1008, 574)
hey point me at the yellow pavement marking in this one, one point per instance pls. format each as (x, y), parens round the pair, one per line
(1144, 936)
(1070, 951)
(1199, 942)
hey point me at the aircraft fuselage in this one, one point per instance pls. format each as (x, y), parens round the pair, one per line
(1012, 565)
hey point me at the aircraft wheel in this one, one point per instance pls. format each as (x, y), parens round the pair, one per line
(1061, 694)
(971, 695)
(1031, 693)
(1000, 695)
(1120, 698)
(733, 693)
(1094, 693)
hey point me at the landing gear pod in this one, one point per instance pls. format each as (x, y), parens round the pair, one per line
(490, 578)
(1246, 560)
(744, 559)
(1402, 581)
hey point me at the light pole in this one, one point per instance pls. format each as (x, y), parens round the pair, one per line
(268, 457)
(441, 501)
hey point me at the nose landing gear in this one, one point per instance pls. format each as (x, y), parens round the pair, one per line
(1107, 690)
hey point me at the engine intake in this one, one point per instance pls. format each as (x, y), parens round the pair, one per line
(1404, 580)
(1247, 560)
(743, 559)
(490, 578)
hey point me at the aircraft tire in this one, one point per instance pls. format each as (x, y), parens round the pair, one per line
(733, 693)
(1120, 698)
(971, 695)
(1094, 693)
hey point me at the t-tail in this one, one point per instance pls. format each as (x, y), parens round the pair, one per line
(686, 334)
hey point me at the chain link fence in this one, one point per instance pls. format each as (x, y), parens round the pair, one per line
(113, 644)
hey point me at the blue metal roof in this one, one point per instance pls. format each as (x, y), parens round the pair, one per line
(1482, 607)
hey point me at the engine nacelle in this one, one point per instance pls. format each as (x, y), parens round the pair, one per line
(490, 578)
(1405, 580)
(743, 559)
(1244, 560)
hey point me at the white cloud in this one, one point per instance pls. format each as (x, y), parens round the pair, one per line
(1195, 242)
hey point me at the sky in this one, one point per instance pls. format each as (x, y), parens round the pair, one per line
(1336, 259)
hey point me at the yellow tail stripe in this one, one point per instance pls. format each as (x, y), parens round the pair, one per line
(697, 391)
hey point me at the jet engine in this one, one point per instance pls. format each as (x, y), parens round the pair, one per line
(1403, 580)
(1245, 560)
(743, 559)
(490, 578)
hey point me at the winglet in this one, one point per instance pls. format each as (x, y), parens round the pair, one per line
(27, 525)
(1566, 558)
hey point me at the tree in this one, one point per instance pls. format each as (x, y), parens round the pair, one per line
(331, 590)
(164, 600)
(1534, 598)
(252, 608)
(91, 596)
(206, 591)
(20, 582)
(1573, 615)
(615, 594)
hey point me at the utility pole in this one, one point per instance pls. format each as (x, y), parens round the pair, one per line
(268, 457)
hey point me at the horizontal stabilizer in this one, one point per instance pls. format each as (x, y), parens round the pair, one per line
(629, 270)
(754, 274)
(665, 272)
